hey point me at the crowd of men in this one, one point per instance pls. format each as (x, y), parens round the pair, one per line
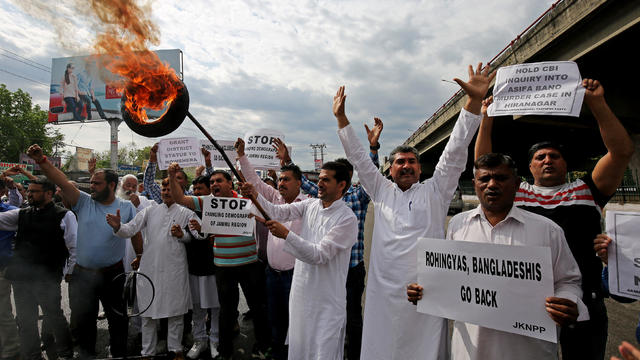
(302, 271)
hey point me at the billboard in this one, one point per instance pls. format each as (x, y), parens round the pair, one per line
(78, 91)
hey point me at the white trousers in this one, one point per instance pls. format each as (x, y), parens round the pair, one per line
(150, 334)
(199, 324)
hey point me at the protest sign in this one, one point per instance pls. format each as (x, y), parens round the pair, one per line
(624, 253)
(184, 151)
(83, 155)
(497, 286)
(545, 88)
(217, 161)
(259, 148)
(227, 216)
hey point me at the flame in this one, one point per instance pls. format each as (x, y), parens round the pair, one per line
(145, 80)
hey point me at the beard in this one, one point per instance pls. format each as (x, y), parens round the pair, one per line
(101, 195)
(125, 194)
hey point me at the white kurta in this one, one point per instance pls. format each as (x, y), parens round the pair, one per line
(317, 302)
(393, 329)
(164, 259)
(520, 227)
(129, 252)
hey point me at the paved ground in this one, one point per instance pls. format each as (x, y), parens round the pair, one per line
(623, 318)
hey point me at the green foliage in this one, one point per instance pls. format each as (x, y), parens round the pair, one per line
(128, 154)
(23, 124)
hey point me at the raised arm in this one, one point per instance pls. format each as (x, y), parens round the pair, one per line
(176, 190)
(69, 192)
(153, 189)
(483, 141)
(285, 212)
(341, 237)
(453, 160)
(207, 162)
(608, 172)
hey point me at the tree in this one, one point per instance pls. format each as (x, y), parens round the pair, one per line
(23, 124)
(128, 154)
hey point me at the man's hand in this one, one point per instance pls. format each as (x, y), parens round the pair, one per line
(92, 166)
(207, 156)
(135, 200)
(277, 229)
(594, 91)
(200, 170)
(67, 278)
(239, 145)
(601, 246)
(414, 293)
(135, 264)
(373, 134)
(485, 106)
(476, 87)
(628, 352)
(247, 190)
(282, 152)
(176, 231)
(35, 152)
(173, 169)
(153, 153)
(114, 220)
(15, 170)
(562, 311)
(338, 104)
(195, 225)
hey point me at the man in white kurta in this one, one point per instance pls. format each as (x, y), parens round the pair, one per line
(405, 210)
(317, 302)
(164, 260)
(497, 221)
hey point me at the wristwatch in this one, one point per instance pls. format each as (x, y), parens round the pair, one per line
(376, 147)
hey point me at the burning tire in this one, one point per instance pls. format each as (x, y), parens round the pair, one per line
(165, 124)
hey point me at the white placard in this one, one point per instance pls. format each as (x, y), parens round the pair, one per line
(217, 161)
(624, 253)
(545, 88)
(501, 287)
(184, 151)
(227, 216)
(258, 147)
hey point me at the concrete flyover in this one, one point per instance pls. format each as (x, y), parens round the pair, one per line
(600, 35)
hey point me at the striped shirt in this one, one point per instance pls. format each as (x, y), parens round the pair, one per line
(230, 250)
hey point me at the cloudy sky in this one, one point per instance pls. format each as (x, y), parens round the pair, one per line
(277, 64)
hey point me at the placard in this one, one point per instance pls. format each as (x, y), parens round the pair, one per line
(259, 148)
(497, 286)
(624, 253)
(217, 161)
(544, 88)
(227, 216)
(184, 151)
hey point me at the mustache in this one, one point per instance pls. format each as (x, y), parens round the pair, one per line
(406, 172)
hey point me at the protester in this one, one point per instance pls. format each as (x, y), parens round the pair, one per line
(99, 255)
(497, 221)
(202, 282)
(45, 238)
(165, 261)
(405, 210)
(280, 267)
(128, 190)
(358, 200)
(236, 263)
(9, 344)
(317, 302)
(577, 208)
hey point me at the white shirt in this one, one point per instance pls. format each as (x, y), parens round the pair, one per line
(164, 259)
(520, 227)
(278, 259)
(393, 329)
(68, 224)
(317, 302)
